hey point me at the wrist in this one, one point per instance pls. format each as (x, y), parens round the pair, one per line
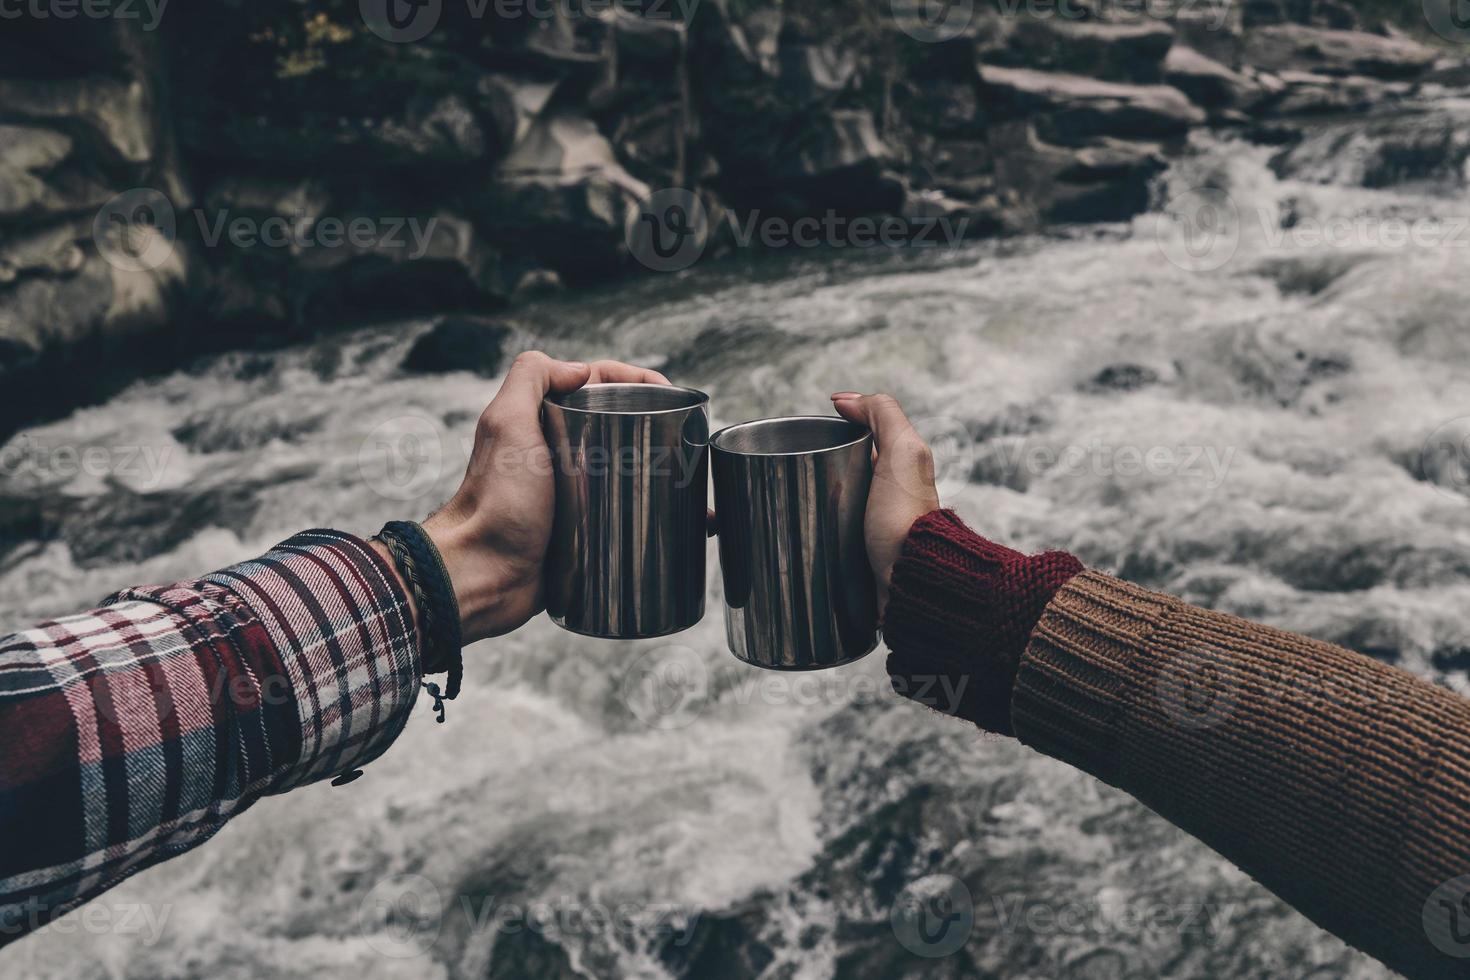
(474, 574)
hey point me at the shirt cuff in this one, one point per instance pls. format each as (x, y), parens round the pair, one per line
(342, 628)
(961, 609)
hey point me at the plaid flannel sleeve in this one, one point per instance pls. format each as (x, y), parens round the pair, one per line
(133, 732)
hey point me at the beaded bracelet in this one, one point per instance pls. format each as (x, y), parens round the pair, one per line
(423, 571)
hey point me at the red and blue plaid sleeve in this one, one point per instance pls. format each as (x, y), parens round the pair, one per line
(133, 732)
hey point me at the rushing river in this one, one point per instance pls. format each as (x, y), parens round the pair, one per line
(1249, 434)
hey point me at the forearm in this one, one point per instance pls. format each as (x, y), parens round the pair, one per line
(1338, 782)
(132, 733)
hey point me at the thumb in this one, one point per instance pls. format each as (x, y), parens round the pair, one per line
(534, 375)
(880, 413)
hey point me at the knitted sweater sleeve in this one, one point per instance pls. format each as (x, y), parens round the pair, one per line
(1341, 784)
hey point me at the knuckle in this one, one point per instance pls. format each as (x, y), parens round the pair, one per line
(531, 358)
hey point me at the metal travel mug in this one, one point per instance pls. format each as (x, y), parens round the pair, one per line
(627, 547)
(790, 495)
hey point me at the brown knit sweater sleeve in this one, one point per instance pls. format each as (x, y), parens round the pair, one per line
(1341, 784)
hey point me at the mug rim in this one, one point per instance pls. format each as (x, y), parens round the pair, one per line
(699, 400)
(714, 440)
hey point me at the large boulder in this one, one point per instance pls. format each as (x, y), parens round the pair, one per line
(1071, 110)
(1292, 47)
(1209, 83)
(314, 251)
(1107, 180)
(1120, 52)
(564, 196)
(111, 116)
(28, 156)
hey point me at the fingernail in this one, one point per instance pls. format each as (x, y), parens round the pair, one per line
(841, 395)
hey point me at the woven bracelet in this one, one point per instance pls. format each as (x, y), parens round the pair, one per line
(423, 571)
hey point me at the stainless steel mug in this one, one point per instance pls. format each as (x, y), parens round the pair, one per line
(627, 547)
(790, 495)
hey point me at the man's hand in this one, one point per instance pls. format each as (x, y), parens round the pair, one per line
(494, 532)
(903, 480)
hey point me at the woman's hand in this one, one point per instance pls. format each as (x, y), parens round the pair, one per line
(494, 532)
(903, 480)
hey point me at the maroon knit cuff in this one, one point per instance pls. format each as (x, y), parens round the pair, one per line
(960, 612)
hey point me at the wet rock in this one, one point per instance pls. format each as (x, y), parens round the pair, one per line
(1127, 52)
(27, 155)
(124, 527)
(653, 38)
(110, 116)
(1124, 377)
(1106, 180)
(1451, 658)
(527, 953)
(1070, 109)
(563, 193)
(1213, 31)
(1390, 152)
(1291, 47)
(1207, 82)
(236, 428)
(460, 343)
(1312, 94)
(813, 73)
(722, 946)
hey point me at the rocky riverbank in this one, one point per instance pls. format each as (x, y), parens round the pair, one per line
(246, 174)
